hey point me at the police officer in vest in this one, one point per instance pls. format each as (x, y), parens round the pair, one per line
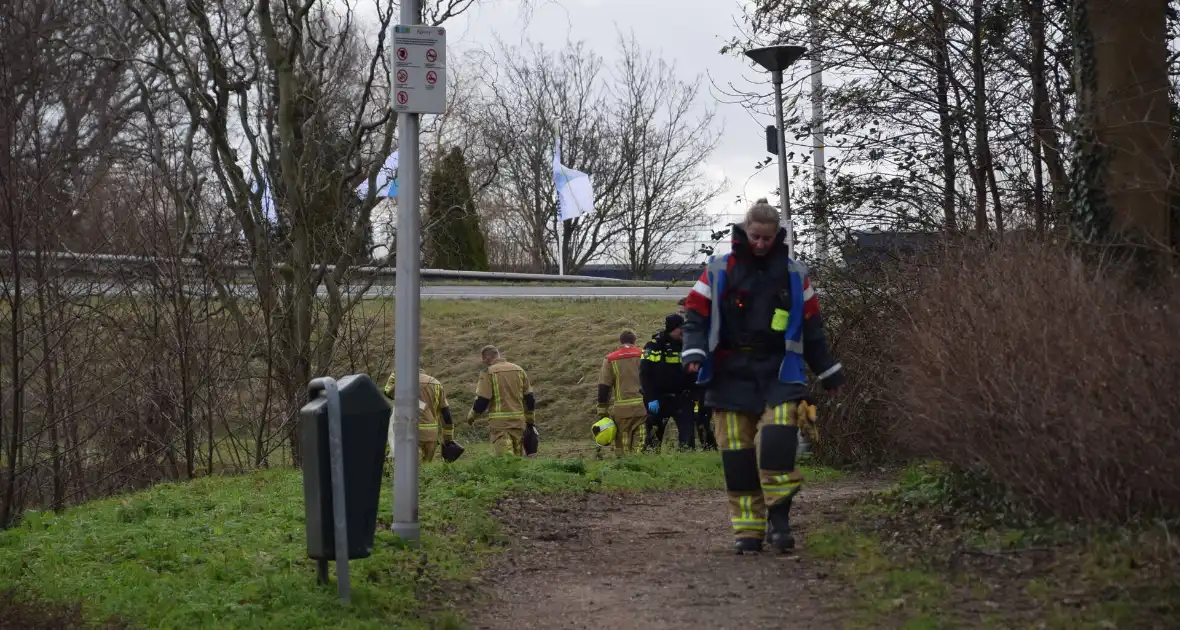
(752, 322)
(667, 389)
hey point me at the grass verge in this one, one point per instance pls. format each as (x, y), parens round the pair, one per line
(930, 554)
(228, 552)
(560, 343)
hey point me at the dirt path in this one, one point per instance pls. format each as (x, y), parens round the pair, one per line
(653, 561)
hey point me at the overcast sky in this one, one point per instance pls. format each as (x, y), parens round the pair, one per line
(688, 32)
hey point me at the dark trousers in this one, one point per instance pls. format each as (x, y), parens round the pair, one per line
(703, 418)
(680, 409)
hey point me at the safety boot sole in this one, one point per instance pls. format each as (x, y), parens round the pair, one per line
(747, 546)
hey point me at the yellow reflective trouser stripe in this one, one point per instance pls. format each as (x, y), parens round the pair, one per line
(779, 486)
(629, 401)
(733, 432)
(782, 414)
(745, 519)
(506, 414)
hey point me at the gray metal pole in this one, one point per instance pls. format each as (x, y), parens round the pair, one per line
(817, 132)
(407, 296)
(783, 186)
(339, 506)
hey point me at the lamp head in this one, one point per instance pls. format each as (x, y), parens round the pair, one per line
(776, 58)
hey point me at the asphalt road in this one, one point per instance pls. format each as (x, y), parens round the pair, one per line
(437, 291)
(488, 292)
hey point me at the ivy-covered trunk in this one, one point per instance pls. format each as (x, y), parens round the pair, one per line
(1123, 162)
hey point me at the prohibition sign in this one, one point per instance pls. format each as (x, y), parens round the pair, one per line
(431, 77)
(402, 76)
(402, 97)
(431, 56)
(402, 54)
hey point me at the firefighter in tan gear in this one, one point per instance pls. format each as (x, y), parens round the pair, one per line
(619, 387)
(433, 412)
(505, 395)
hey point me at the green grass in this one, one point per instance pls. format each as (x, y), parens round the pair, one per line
(560, 343)
(228, 552)
(894, 550)
(884, 587)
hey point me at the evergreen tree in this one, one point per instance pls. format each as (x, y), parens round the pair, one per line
(453, 230)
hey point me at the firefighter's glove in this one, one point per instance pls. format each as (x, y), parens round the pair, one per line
(602, 411)
(471, 418)
(653, 407)
(805, 415)
(530, 417)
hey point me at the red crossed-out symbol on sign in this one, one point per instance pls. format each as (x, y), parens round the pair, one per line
(431, 77)
(431, 56)
(402, 53)
(402, 97)
(402, 76)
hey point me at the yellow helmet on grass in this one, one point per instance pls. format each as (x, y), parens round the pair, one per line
(604, 431)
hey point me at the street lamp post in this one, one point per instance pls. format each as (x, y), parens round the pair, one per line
(775, 59)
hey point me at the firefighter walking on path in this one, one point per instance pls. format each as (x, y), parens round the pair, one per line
(619, 394)
(667, 389)
(434, 414)
(753, 320)
(505, 395)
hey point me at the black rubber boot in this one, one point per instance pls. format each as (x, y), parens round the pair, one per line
(778, 530)
(744, 546)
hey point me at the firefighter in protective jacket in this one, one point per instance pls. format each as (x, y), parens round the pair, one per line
(619, 394)
(667, 391)
(505, 395)
(434, 413)
(753, 320)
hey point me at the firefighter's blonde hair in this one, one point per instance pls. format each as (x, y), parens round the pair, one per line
(762, 212)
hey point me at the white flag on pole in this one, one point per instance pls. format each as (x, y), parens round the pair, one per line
(386, 179)
(268, 203)
(575, 192)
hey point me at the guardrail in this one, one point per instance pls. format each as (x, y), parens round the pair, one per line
(99, 264)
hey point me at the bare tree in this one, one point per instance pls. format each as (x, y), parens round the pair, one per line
(286, 107)
(536, 96)
(63, 104)
(663, 147)
(634, 133)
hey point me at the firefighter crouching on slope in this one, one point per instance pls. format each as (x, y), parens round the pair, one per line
(753, 320)
(505, 394)
(619, 376)
(433, 409)
(667, 390)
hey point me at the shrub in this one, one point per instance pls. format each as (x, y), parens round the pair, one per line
(859, 315)
(1058, 379)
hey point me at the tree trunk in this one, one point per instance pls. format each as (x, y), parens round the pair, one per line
(942, 57)
(980, 106)
(1123, 90)
(1046, 144)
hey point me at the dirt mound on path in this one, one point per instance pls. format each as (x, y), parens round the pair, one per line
(652, 560)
